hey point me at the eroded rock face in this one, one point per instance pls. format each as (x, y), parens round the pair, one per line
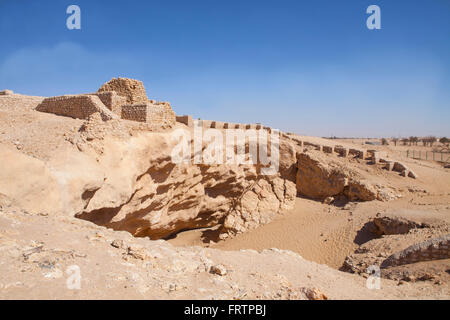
(131, 183)
(167, 198)
(386, 225)
(26, 181)
(319, 178)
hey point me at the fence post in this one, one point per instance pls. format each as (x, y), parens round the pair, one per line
(426, 155)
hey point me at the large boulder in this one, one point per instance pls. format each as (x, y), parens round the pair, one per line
(318, 179)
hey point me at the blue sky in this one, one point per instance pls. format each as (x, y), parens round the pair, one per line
(310, 67)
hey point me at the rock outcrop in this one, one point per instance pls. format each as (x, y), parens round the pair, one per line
(131, 183)
(320, 178)
(317, 179)
(156, 198)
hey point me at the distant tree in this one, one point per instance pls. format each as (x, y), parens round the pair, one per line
(424, 141)
(445, 141)
(413, 140)
(395, 140)
(430, 140)
(405, 141)
(384, 142)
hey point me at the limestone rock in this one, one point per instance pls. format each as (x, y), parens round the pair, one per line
(317, 179)
(388, 224)
(27, 183)
(360, 191)
(314, 294)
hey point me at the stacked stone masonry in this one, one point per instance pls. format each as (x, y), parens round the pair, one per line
(112, 100)
(76, 106)
(359, 153)
(132, 90)
(118, 98)
(6, 92)
(433, 249)
(206, 124)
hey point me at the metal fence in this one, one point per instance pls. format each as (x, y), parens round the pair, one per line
(428, 155)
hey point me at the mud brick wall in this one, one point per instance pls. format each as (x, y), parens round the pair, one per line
(433, 249)
(76, 106)
(133, 90)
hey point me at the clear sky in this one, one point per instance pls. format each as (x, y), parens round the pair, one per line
(311, 67)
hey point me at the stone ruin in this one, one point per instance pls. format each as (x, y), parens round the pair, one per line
(120, 98)
(432, 249)
(76, 106)
(375, 157)
(132, 90)
(206, 124)
(6, 92)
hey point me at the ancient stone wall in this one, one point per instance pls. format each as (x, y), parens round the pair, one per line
(157, 114)
(372, 155)
(6, 92)
(206, 124)
(76, 106)
(132, 90)
(433, 249)
(134, 112)
(187, 120)
(112, 100)
(161, 113)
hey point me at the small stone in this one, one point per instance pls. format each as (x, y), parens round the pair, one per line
(314, 294)
(218, 270)
(137, 253)
(117, 244)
